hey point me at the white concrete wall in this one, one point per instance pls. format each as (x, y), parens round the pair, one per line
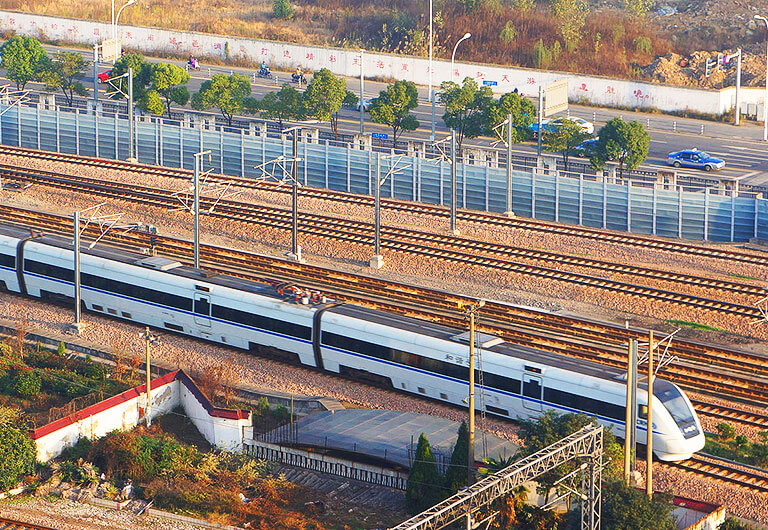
(223, 428)
(123, 415)
(224, 433)
(599, 90)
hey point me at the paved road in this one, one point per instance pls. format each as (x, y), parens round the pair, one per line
(746, 155)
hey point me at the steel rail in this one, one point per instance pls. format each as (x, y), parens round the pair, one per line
(11, 524)
(745, 417)
(397, 239)
(723, 471)
(487, 218)
(425, 304)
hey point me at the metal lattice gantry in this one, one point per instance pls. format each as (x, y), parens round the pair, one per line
(585, 443)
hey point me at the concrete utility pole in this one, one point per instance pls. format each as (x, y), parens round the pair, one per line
(454, 230)
(509, 211)
(629, 425)
(541, 111)
(147, 339)
(76, 249)
(471, 310)
(377, 260)
(633, 407)
(96, 72)
(196, 185)
(431, 92)
(649, 437)
(295, 248)
(131, 150)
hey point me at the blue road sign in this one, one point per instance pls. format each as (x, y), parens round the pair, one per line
(490, 83)
(380, 136)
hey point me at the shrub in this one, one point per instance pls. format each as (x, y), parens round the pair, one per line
(726, 430)
(741, 440)
(262, 405)
(27, 384)
(508, 33)
(18, 456)
(283, 9)
(5, 350)
(77, 451)
(62, 351)
(643, 45)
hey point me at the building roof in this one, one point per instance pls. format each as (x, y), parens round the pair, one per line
(391, 436)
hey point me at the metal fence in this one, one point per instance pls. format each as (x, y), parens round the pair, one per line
(586, 200)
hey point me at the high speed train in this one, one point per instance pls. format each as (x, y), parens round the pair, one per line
(409, 355)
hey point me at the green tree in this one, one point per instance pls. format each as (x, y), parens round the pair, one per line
(62, 74)
(465, 108)
(18, 456)
(424, 486)
(552, 427)
(62, 350)
(623, 142)
(523, 113)
(542, 56)
(167, 81)
(283, 9)
(563, 138)
(456, 475)
(142, 71)
(393, 107)
(24, 59)
(626, 508)
(283, 105)
(324, 96)
(224, 92)
(571, 16)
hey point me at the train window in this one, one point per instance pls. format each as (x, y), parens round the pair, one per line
(532, 369)
(7, 261)
(112, 311)
(51, 271)
(443, 395)
(422, 391)
(642, 412)
(97, 307)
(584, 404)
(262, 322)
(202, 288)
(532, 388)
(136, 291)
(497, 410)
(202, 306)
(174, 327)
(126, 315)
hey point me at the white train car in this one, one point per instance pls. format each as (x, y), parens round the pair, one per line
(410, 355)
(517, 382)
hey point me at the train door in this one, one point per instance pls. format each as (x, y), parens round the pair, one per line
(203, 310)
(532, 389)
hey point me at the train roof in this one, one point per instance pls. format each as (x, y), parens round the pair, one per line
(158, 263)
(537, 358)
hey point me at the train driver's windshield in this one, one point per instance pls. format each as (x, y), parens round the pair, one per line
(677, 407)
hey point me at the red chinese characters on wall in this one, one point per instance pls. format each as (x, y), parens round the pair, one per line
(479, 75)
(610, 90)
(151, 37)
(584, 87)
(264, 51)
(531, 81)
(405, 67)
(287, 54)
(310, 56)
(639, 94)
(217, 46)
(195, 44)
(505, 78)
(95, 31)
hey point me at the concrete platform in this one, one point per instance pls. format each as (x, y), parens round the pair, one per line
(391, 436)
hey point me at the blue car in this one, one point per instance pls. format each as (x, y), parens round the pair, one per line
(585, 148)
(695, 159)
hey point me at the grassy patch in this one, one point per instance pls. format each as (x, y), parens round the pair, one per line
(693, 325)
(743, 277)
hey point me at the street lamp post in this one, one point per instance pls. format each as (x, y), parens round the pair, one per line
(453, 55)
(295, 248)
(430, 93)
(148, 339)
(454, 230)
(765, 103)
(362, 100)
(116, 19)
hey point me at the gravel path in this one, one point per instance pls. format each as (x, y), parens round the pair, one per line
(69, 515)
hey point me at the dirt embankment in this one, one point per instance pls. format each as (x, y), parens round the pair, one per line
(691, 70)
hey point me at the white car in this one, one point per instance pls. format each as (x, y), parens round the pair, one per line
(586, 126)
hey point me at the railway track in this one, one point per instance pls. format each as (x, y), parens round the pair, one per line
(731, 414)
(437, 246)
(10, 524)
(720, 371)
(724, 471)
(485, 218)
